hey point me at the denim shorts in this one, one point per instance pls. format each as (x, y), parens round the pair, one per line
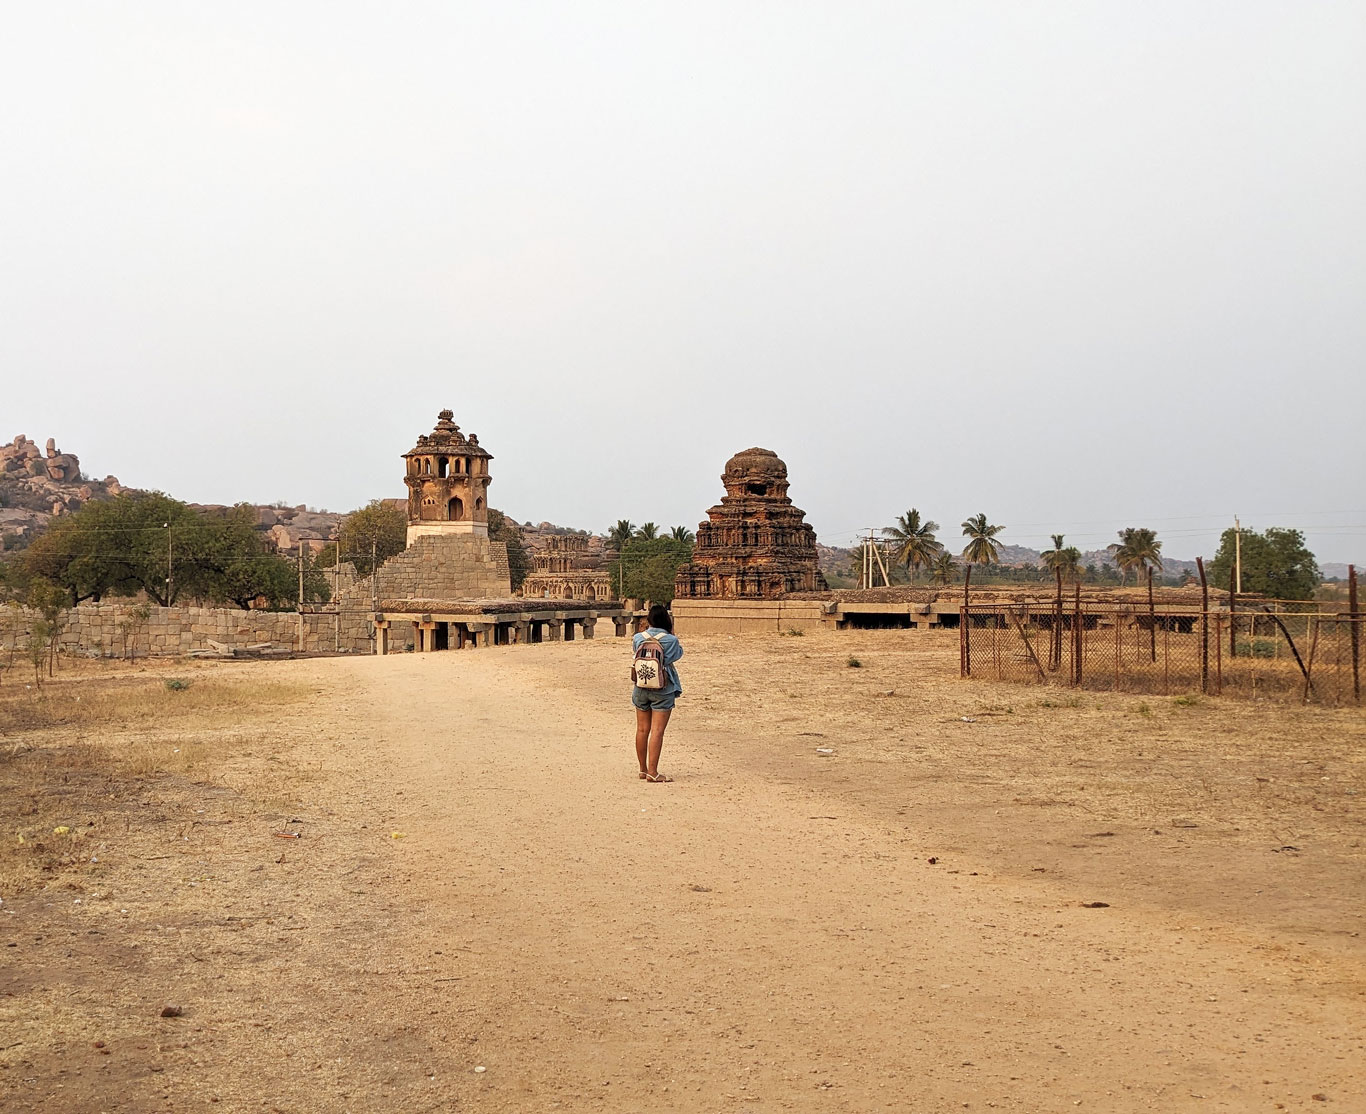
(652, 700)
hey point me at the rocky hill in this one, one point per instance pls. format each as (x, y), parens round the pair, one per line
(36, 484)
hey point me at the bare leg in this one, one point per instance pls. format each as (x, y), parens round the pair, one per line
(642, 736)
(658, 721)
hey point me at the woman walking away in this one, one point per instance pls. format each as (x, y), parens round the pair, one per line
(654, 697)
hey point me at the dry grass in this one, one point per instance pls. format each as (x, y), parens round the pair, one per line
(79, 753)
(1147, 758)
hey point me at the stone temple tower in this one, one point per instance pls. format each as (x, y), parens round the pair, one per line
(448, 479)
(755, 544)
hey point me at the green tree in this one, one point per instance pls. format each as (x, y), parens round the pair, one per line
(646, 567)
(505, 530)
(649, 531)
(143, 541)
(379, 527)
(232, 563)
(916, 545)
(51, 602)
(245, 578)
(1276, 564)
(943, 568)
(1061, 561)
(40, 634)
(1140, 551)
(682, 534)
(620, 534)
(982, 547)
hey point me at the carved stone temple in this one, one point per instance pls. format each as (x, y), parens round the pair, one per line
(568, 569)
(755, 543)
(450, 588)
(448, 481)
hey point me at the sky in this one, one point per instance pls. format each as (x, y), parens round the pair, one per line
(1076, 266)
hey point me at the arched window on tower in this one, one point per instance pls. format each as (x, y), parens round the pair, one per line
(455, 510)
(442, 463)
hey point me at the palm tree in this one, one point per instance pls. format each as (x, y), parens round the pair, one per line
(683, 534)
(620, 534)
(943, 568)
(916, 545)
(982, 547)
(649, 531)
(1139, 549)
(1062, 562)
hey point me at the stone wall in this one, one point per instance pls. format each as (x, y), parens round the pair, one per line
(116, 630)
(746, 616)
(451, 567)
(440, 566)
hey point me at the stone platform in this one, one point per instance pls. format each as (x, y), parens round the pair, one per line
(457, 624)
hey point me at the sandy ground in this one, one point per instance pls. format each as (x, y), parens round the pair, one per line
(488, 911)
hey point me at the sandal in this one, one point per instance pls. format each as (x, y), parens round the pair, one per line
(657, 778)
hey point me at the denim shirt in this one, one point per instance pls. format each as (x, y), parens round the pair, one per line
(673, 650)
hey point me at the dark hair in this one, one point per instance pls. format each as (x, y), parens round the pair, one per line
(661, 619)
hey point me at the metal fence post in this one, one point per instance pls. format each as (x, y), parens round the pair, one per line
(1354, 627)
(964, 648)
(1204, 626)
(1078, 634)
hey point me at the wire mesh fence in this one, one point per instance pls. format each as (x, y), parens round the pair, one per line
(1276, 652)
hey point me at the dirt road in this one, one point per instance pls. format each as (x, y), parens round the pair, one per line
(978, 900)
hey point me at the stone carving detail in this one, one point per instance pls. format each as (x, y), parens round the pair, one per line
(755, 544)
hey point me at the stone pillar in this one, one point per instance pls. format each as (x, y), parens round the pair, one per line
(554, 630)
(381, 636)
(621, 625)
(521, 632)
(479, 634)
(588, 625)
(426, 636)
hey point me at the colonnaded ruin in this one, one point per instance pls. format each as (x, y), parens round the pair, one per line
(755, 544)
(567, 569)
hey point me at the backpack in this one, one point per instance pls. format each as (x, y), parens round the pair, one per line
(648, 670)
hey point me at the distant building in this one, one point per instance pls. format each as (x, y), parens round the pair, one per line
(755, 544)
(565, 569)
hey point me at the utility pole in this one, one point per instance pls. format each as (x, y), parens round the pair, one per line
(374, 578)
(1238, 555)
(877, 552)
(169, 574)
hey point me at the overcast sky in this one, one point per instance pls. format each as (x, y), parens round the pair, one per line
(1078, 266)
